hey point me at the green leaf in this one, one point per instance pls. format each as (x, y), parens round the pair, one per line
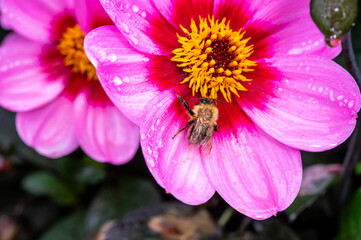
(91, 175)
(358, 169)
(112, 202)
(43, 183)
(79, 171)
(350, 223)
(69, 228)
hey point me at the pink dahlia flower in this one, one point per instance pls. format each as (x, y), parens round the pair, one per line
(265, 58)
(46, 77)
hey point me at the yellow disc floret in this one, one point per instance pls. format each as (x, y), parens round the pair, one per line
(71, 47)
(214, 57)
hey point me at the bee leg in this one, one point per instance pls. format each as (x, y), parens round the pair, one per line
(185, 104)
(185, 127)
(216, 128)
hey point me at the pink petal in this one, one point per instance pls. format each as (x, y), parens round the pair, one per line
(235, 11)
(276, 23)
(254, 173)
(4, 21)
(90, 14)
(312, 105)
(130, 78)
(180, 12)
(317, 177)
(174, 164)
(33, 19)
(31, 74)
(142, 25)
(103, 132)
(113, 47)
(50, 129)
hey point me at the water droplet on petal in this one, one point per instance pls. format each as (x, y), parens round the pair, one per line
(149, 150)
(125, 28)
(102, 55)
(112, 57)
(117, 81)
(134, 39)
(150, 162)
(135, 8)
(126, 79)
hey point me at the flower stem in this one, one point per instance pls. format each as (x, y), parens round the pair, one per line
(226, 216)
(350, 58)
(353, 150)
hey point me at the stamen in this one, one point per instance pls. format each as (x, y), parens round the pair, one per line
(213, 56)
(71, 47)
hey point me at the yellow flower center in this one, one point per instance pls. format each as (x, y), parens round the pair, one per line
(214, 57)
(71, 47)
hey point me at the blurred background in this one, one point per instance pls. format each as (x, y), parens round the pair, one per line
(75, 198)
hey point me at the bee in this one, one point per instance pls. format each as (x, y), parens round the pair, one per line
(202, 123)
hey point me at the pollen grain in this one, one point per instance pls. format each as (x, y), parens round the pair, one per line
(71, 47)
(214, 57)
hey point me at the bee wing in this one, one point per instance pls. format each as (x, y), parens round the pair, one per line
(207, 146)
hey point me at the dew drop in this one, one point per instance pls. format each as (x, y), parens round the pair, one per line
(135, 8)
(353, 121)
(332, 42)
(149, 150)
(117, 81)
(143, 14)
(299, 66)
(134, 39)
(125, 28)
(142, 136)
(102, 55)
(340, 97)
(112, 57)
(151, 162)
(332, 98)
(295, 51)
(126, 79)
